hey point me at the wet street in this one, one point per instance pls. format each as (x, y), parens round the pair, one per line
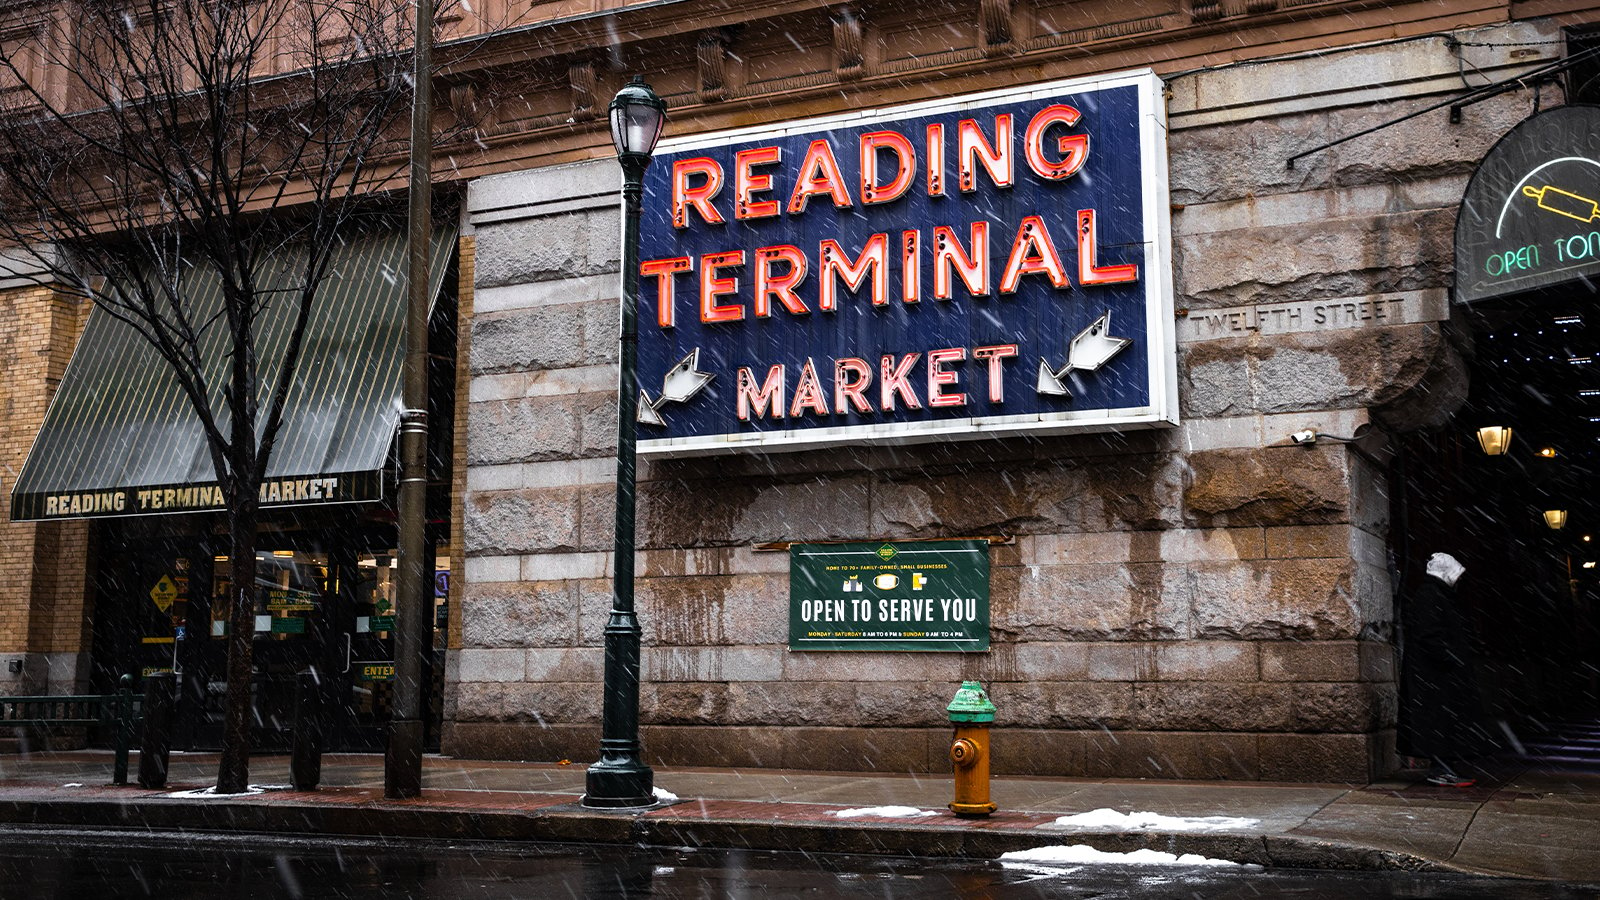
(43, 865)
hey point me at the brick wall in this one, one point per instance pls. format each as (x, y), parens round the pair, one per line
(467, 267)
(43, 627)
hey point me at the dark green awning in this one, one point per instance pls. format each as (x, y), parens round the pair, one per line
(120, 437)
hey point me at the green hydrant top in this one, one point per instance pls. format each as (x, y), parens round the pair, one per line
(971, 704)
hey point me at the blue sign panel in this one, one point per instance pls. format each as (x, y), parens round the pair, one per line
(988, 264)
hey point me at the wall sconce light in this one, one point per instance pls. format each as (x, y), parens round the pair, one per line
(1547, 452)
(1555, 518)
(1589, 564)
(1494, 439)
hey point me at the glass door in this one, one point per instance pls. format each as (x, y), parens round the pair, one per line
(369, 652)
(369, 667)
(293, 592)
(141, 613)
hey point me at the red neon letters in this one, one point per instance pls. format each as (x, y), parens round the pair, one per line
(1050, 154)
(987, 255)
(853, 378)
(782, 271)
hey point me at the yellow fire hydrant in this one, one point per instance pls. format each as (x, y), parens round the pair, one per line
(971, 712)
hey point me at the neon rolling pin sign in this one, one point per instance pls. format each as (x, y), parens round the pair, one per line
(888, 278)
(1528, 220)
(1553, 199)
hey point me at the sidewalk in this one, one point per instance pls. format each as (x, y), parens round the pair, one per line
(1526, 822)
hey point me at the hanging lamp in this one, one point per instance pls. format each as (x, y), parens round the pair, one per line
(1494, 439)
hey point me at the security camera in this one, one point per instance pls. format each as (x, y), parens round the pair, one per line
(1305, 438)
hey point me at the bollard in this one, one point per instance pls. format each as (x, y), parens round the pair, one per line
(122, 720)
(155, 747)
(971, 712)
(305, 759)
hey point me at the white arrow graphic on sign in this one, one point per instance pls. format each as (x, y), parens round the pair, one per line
(647, 411)
(1092, 348)
(681, 382)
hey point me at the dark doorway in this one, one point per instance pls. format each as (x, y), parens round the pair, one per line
(1526, 523)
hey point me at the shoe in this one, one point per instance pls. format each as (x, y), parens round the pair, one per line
(1451, 779)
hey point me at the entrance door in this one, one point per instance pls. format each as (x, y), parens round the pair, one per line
(143, 601)
(368, 684)
(366, 688)
(295, 591)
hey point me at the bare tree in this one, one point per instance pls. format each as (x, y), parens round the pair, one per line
(148, 144)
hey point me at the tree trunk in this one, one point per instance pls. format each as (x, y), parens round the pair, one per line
(233, 774)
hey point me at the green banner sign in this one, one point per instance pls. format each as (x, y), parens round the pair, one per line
(912, 595)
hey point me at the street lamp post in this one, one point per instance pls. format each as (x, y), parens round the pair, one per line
(621, 779)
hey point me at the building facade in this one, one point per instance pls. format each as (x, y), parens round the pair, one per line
(1211, 598)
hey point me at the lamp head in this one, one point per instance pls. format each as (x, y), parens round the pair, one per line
(1494, 439)
(637, 117)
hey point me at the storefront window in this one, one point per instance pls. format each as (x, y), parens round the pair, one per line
(441, 598)
(290, 587)
(170, 596)
(375, 593)
(376, 586)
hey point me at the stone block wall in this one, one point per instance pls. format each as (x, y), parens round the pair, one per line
(1209, 601)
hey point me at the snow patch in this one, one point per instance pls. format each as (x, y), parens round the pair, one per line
(73, 784)
(884, 812)
(1081, 854)
(1149, 821)
(664, 796)
(210, 793)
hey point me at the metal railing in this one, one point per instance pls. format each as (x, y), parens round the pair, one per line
(119, 711)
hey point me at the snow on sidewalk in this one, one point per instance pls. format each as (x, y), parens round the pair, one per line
(884, 812)
(1111, 820)
(1080, 854)
(210, 793)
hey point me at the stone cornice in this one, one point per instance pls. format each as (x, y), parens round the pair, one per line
(714, 60)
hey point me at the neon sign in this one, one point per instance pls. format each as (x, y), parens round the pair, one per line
(1530, 218)
(990, 264)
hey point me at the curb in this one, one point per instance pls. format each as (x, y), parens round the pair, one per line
(570, 823)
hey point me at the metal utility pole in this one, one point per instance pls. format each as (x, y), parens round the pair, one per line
(402, 763)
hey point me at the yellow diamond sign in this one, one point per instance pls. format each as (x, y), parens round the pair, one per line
(164, 593)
